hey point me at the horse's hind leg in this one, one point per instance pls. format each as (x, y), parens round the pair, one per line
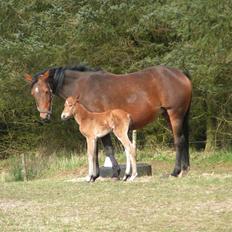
(108, 147)
(180, 140)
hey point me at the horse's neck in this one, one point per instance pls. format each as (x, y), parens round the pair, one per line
(69, 87)
(80, 113)
(72, 83)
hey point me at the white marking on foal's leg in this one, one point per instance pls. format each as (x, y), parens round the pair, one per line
(133, 177)
(90, 175)
(127, 171)
(133, 162)
(127, 162)
(91, 145)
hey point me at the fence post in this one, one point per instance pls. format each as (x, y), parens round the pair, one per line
(24, 167)
(134, 137)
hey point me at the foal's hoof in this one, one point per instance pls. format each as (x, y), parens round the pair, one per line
(90, 178)
(126, 177)
(133, 177)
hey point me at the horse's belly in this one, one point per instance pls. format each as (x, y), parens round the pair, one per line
(140, 118)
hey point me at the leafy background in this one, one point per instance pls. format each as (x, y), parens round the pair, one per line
(118, 36)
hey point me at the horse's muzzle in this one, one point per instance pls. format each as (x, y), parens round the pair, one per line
(45, 117)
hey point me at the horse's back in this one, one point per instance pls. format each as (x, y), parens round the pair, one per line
(142, 94)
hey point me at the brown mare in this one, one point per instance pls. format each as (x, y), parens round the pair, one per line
(142, 94)
(96, 125)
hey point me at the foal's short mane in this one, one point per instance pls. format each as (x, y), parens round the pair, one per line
(57, 74)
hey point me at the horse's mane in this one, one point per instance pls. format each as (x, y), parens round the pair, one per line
(58, 72)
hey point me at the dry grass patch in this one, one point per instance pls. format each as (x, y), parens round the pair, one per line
(198, 202)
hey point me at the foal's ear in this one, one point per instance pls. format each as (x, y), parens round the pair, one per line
(77, 98)
(28, 78)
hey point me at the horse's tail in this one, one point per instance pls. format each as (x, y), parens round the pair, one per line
(186, 134)
(186, 117)
(186, 127)
(187, 73)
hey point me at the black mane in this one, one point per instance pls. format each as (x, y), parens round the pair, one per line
(56, 74)
(83, 68)
(79, 67)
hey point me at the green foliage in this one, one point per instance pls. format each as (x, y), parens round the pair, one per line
(119, 36)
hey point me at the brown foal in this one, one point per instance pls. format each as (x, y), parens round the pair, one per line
(96, 125)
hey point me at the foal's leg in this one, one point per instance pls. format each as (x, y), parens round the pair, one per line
(122, 135)
(91, 152)
(127, 171)
(107, 143)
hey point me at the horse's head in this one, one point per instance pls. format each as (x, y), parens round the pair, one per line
(69, 108)
(42, 92)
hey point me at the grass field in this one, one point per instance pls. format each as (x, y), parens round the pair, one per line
(200, 201)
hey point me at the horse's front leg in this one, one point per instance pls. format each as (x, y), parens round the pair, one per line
(91, 152)
(108, 147)
(127, 171)
(96, 169)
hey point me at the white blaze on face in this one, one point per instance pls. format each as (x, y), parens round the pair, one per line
(37, 90)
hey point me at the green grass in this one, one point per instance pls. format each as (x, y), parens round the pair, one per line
(62, 163)
(63, 201)
(193, 203)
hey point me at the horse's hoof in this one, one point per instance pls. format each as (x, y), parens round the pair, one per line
(126, 177)
(95, 177)
(176, 172)
(183, 173)
(116, 176)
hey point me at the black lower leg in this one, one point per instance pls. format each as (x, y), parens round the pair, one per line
(185, 164)
(179, 154)
(97, 163)
(107, 143)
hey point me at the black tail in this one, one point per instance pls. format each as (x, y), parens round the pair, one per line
(187, 73)
(186, 136)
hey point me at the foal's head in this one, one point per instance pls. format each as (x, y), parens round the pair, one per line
(42, 92)
(69, 108)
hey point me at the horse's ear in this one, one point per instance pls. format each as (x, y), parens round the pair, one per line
(28, 78)
(46, 75)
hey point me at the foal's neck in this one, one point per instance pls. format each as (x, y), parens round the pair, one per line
(80, 113)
